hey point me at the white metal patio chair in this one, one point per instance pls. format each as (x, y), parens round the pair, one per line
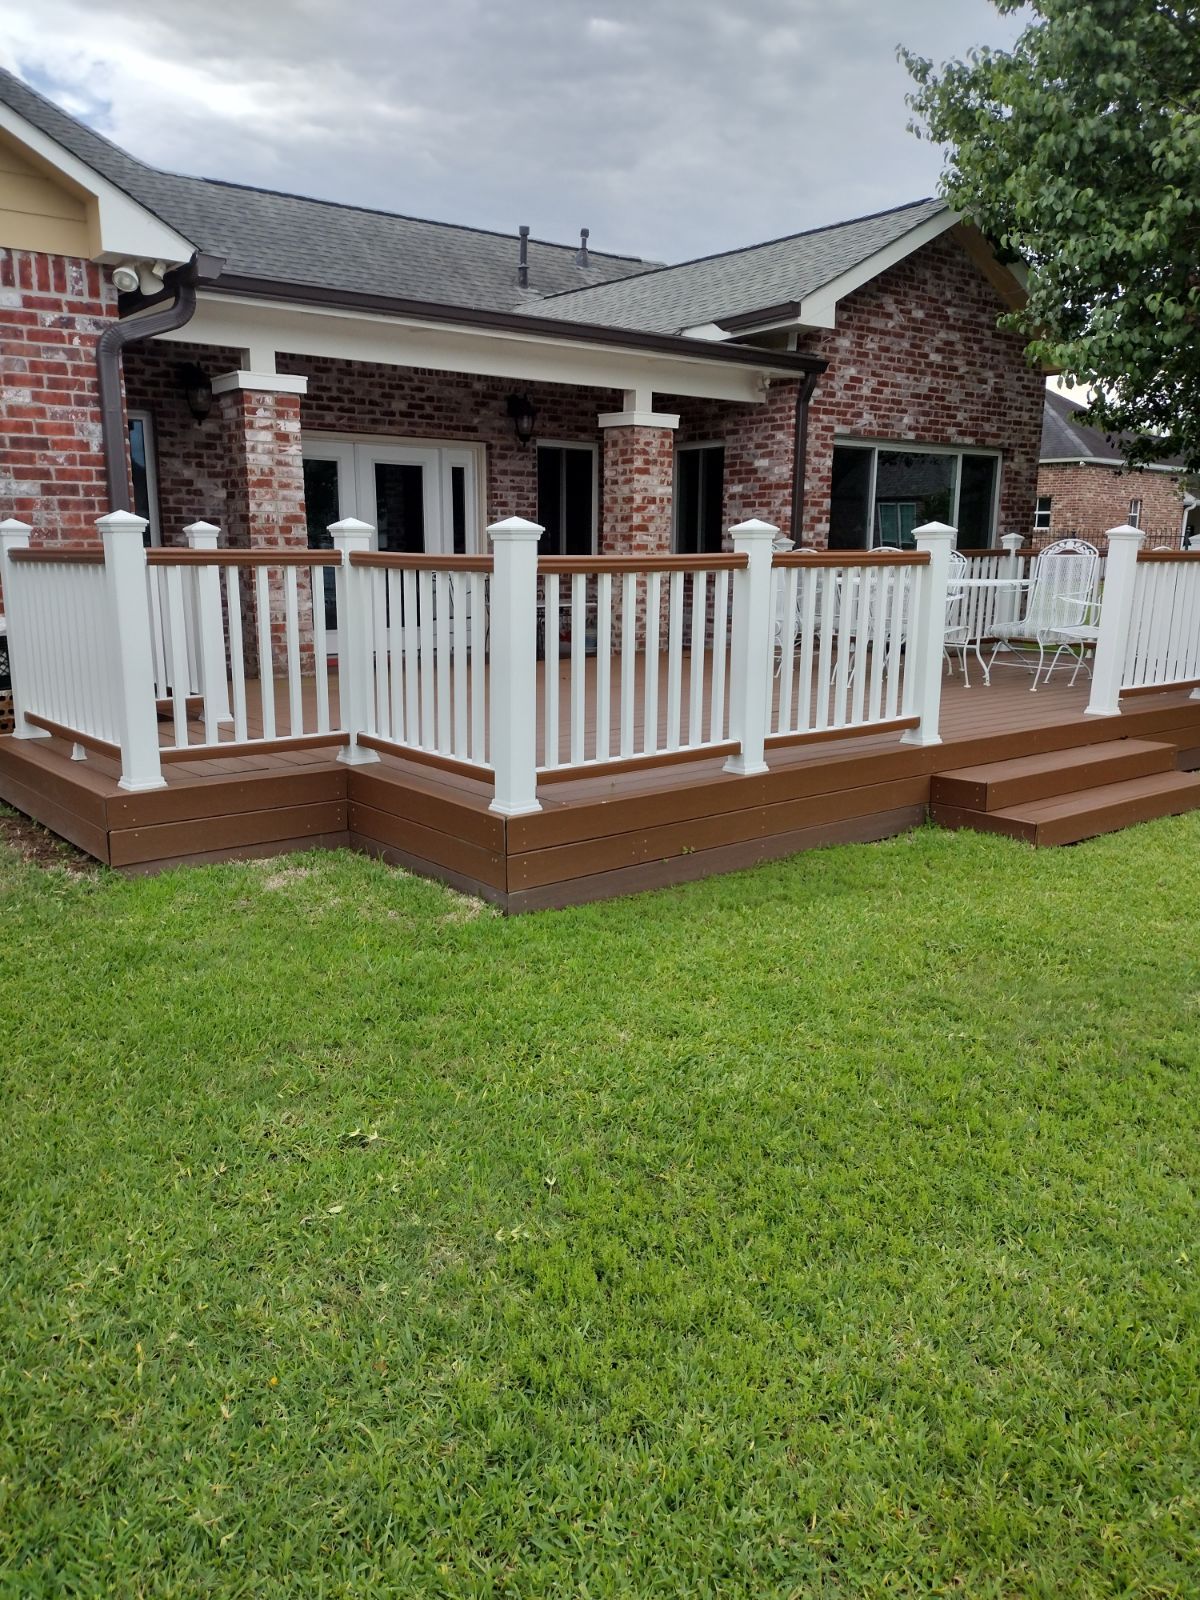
(958, 632)
(1062, 613)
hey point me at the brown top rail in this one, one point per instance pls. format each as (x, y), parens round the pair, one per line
(588, 566)
(1169, 555)
(402, 561)
(851, 558)
(60, 558)
(170, 557)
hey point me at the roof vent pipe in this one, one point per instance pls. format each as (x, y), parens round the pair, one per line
(523, 258)
(581, 258)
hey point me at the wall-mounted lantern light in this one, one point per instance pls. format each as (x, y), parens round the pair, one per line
(197, 390)
(524, 417)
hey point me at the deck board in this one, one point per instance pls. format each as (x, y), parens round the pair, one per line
(601, 832)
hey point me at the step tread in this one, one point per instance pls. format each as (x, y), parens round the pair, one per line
(1085, 802)
(1056, 760)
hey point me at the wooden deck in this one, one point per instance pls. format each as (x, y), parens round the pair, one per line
(596, 836)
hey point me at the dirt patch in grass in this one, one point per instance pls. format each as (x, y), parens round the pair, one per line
(38, 847)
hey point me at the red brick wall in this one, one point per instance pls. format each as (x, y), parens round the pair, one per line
(759, 442)
(1088, 500)
(52, 309)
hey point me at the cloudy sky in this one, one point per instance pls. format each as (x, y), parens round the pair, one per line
(669, 127)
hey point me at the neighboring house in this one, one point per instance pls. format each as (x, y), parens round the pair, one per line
(844, 383)
(1084, 487)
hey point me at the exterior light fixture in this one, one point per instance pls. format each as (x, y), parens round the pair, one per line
(197, 390)
(524, 417)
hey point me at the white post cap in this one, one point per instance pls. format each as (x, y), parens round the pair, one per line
(1012, 541)
(122, 522)
(754, 529)
(12, 525)
(515, 528)
(935, 530)
(202, 534)
(352, 526)
(1124, 532)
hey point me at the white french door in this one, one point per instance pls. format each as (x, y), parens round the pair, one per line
(421, 498)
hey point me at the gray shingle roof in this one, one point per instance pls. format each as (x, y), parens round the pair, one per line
(736, 282)
(1065, 439)
(320, 243)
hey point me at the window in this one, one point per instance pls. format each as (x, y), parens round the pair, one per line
(566, 486)
(1135, 513)
(1041, 515)
(699, 497)
(881, 493)
(143, 474)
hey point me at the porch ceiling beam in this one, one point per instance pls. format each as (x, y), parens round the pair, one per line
(251, 324)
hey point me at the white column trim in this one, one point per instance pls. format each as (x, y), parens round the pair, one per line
(638, 419)
(268, 382)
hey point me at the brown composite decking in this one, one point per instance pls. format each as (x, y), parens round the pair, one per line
(596, 835)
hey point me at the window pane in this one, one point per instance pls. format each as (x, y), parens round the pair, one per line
(458, 509)
(976, 497)
(140, 472)
(920, 488)
(687, 502)
(849, 498)
(549, 502)
(400, 507)
(577, 499)
(321, 507)
(712, 477)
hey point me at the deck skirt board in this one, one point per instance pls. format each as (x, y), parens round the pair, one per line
(601, 834)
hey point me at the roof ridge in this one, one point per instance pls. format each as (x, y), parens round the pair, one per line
(745, 249)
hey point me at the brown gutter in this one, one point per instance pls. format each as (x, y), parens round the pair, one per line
(782, 362)
(800, 454)
(785, 311)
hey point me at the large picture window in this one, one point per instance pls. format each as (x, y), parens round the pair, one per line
(699, 494)
(881, 493)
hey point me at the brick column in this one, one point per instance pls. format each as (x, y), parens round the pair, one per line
(260, 418)
(638, 495)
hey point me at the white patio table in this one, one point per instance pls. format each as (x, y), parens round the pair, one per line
(980, 617)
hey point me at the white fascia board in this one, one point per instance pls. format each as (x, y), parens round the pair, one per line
(1116, 462)
(347, 335)
(264, 382)
(705, 330)
(126, 229)
(818, 310)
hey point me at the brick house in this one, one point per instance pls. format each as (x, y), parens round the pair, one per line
(1084, 487)
(198, 349)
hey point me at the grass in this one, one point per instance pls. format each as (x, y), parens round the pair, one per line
(828, 1230)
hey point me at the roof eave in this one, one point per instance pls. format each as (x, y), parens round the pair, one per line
(781, 363)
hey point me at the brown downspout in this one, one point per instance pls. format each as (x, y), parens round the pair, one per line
(109, 347)
(799, 453)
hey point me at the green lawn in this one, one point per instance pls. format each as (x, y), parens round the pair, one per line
(828, 1230)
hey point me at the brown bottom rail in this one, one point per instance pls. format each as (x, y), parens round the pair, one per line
(89, 741)
(778, 741)
(619, 764)
(1151, 688)
(426, 758)
(221, 750)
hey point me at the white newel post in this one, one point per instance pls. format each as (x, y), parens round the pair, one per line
(513, 670)
(354, 637)
(1009, 602)
(133, 651)
(210, 626)
(1116, 611)
(14, 535)
(926, 645)
(750, 685)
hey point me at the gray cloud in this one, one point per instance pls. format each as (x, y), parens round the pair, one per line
(670, 127)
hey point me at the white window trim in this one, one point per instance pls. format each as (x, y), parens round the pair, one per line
(147, 422)
(579, 444)
(468, 453)
(956, 450)
(1048, 501)
(680, 449)
(1135, 512)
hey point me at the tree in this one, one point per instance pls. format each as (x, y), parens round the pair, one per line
(1078, 153)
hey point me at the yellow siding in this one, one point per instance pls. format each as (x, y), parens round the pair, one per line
(38, 211)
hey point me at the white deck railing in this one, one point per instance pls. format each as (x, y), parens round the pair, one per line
(604, 625)
(191, 654)
(1149, 632)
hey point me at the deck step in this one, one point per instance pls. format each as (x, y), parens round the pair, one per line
(1067, 818)
(994, 785)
